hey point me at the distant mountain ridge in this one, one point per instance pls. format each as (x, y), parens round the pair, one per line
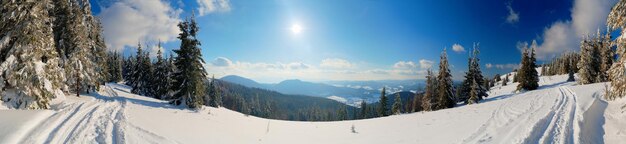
(352, 91)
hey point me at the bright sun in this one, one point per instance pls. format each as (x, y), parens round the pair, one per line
(296, 29)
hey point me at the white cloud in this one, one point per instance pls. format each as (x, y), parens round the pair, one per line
(404, 65)
(126, 22)
(513, 16)
(458, 48)
(488, 65)
(278, 71)
(562, 36)
(336, 63)
(426, 64)
(507, 66)
(210, 6)
(222, 62)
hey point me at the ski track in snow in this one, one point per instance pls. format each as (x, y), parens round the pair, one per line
(100, 120)
(551, 114)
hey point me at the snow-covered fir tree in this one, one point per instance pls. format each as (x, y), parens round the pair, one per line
(617, 73)
(505, 81)
(190, 73)
(527, 75)
(589, 63)
(396, 108)
(79, 67)
(30, 73)
(213, 97)
(115, 65)
(473, 74)
(473, 94)
(445, 97)
(430, 94)
(382, 104)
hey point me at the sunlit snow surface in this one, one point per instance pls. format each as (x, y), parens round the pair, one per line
(559, 112)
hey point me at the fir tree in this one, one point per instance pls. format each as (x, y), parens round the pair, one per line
(29, 64)
(444, 79)
(473, 98)
(617, 73)
(505, 80)
(363, 114)
(382, 106)
(532, 74)
(473, 74)
(213, 98)
(588, 62)
(429, 99)
(161, 84)
(397, 105)
(189, 63)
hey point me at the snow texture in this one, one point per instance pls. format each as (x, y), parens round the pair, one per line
(558, 112)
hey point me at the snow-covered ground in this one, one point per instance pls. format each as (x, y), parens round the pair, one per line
(559, 112)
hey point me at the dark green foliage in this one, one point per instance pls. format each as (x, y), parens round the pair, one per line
(527, 74)
(383, 109)
(214, 96)
(397, 105)
(364, 111)
(445, 97)
(161, 80)
(190, 72)
(274, 105)
(473, 74)
(115, 62)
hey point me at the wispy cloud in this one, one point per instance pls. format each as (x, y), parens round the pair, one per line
(426, 64)
(513, 16)
(328, 69)
(336, 63)
(502, 66)
(209, 6)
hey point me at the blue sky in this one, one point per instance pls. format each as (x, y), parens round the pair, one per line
(355, 39)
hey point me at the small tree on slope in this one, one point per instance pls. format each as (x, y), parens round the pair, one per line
(588, 62)
(397, 105)
(445, 98)
(382, 104)
(429, 100)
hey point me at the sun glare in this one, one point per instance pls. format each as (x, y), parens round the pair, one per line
(296, 29)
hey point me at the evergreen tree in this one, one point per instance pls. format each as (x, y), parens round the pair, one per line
(473, 74)
(445, 96)
(617, 73)
(473, 98)
(382, 106)
(532, 74)
(606, 56)
(588, 61)
(364, 113)
(430, 95)
(115, 64)
(417, 103)
(213, 98)
(29, 70)
(161, 84)
(189, 63)
(397, 105)
(79, 67)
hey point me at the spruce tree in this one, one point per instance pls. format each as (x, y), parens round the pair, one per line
(161, 85)
(532, 74)
(522, 73)
(606, 56)
(617, 73)
(213, 98)
(473, 74)
(189, 63)
(137, 74)
(29, 64)
(363, 114)
(382, 104)
(505, 80)
(587, 72)
(397, 105)
(429, 101)
(444, 79)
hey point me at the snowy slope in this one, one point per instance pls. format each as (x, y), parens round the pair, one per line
(559, 112)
